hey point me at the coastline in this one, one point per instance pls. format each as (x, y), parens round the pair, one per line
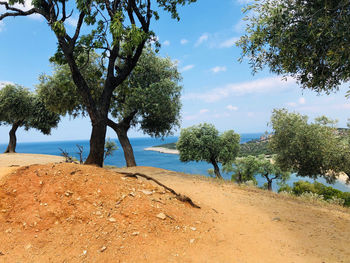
(162, 150)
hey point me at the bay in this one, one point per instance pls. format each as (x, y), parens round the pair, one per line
(147, 158)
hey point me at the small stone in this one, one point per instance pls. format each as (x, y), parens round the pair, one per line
(84, 252)
(161, 216)
(28, 246)
(192, 241)
(68, 193)
(112, 219)
(132, 194)
(8, 230)
(1, 253)
(146, 192)
(98, 213)
(193, 228)
(276, 219)
(135, 233)
(103, 248)
(3, 211)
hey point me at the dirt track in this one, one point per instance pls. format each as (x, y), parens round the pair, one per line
(233, 225)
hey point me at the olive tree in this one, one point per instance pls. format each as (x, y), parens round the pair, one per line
(309, 149)
(204, 143)
(118, 29)
(149, 98)
(21, 108)
(270, 171)
(306, 39)
(243, 169)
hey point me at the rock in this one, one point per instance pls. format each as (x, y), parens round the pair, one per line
(146, 192)
(135, 233)
(1, 253)
(103, 248)
(192, 241)
(193, 228)
(68, 193)
(28, 246)
(276, 219)
(161, 216)
(112, 219)
(98, 213)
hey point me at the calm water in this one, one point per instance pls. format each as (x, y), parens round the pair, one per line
(143, 158)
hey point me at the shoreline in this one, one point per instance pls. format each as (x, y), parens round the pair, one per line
(161, 150)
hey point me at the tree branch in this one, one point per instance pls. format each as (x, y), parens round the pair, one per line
(17, 11)
(180, 197)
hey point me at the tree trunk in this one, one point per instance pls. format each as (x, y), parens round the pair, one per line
(127, 148)
(97, 143)
(121, 131)
(11, 148)
(269, 185)
(269, 182)
(216, 169)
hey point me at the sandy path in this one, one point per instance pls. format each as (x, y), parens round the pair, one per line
(257, 226)
(247, 225)
(9, 161)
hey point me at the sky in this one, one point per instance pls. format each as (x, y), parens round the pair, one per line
(217, 88)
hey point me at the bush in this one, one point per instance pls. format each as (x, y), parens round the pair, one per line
(316, 190)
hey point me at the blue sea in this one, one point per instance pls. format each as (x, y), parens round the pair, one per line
(146, 158)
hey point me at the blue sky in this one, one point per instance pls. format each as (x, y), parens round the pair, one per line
(216, 87)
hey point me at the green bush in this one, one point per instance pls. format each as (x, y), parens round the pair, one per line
(316, 190)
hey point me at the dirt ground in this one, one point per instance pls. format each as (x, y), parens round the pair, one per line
(73, 213)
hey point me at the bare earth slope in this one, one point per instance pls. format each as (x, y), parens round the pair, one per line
(74, 213)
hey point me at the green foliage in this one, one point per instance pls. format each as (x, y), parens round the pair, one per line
(328, 193)
(110, 147)
(306, 39)
(243, 169)
(18, 105)
(203, 143)
(150, 96)
(255, 148)
(59, 92)
(310, 149)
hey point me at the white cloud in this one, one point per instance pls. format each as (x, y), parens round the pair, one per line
(245, 2)
(4, 83)
(203, 38)
(166, 43)
(72, 21)
(229, 42)
(302, 101)
(291, 104)
(203, 111)
(265, 85)
(218, 69)
(231, 108)
(186, 68)
(24, 7)
(183, 41)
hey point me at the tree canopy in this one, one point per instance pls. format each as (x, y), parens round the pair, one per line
(309, 149)
(243, 169)
(117, 29)
(21, 108)
(203, 143)
(306, 39)
(149, 98)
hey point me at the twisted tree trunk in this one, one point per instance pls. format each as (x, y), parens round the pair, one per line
(11, 148)
(216, 169)
(122, 129)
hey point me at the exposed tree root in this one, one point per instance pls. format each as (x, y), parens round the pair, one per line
(180, 197)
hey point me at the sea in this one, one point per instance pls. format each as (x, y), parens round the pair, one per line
(149, 158)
